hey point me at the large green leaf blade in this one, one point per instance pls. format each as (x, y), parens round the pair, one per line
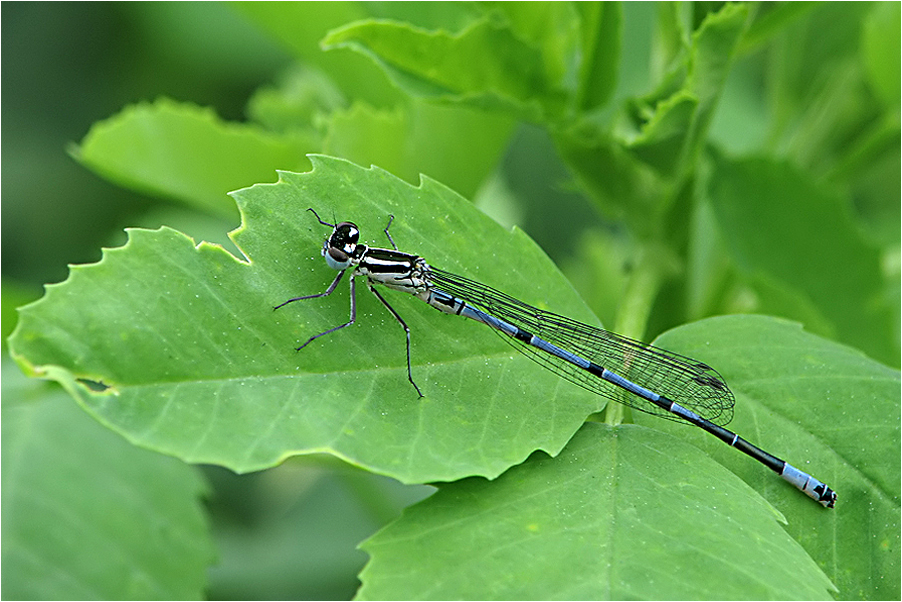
(828, 410)
(622, 513)
(793, 392)
(198, 365)
(88, 516)
(182, 151)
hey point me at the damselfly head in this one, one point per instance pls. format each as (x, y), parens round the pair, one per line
(341, 246)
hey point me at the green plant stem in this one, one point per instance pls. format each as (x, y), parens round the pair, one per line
(635, 307)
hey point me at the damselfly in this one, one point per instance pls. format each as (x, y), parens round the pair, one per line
(657, 381)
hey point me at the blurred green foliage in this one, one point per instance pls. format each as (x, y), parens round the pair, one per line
(678, 160)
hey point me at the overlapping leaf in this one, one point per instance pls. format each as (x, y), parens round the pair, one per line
(617, 504)
(604, 520)
(829, 410)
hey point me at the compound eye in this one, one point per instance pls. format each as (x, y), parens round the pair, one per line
(341, 246)
(345, 237)
(338, 254)
(336, 258)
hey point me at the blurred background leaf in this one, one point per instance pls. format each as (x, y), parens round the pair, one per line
(87, 515)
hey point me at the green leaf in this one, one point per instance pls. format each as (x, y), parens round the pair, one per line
(185, 152)
(778, 222)
(635, 170)
(299, 26)
(291, 532)
(368, 136)
(821, 111)
(484, 64)
(198, 365)
(456, 145)
(673, 125)
(881, 47)
(293, 104)
(554, 28)
(598, 273)
(828, 410)
(622, 513)
(771, 20)
(86, 516)
(619, 504)
(602, 25)
(537, 61)
(15, 294)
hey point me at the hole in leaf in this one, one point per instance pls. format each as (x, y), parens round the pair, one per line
(95, 386)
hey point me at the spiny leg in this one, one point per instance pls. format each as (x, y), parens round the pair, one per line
(406, 330)
(391, 218)
(328, 292)
(325, 294)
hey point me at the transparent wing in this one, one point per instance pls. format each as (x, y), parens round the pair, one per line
(688, 382)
